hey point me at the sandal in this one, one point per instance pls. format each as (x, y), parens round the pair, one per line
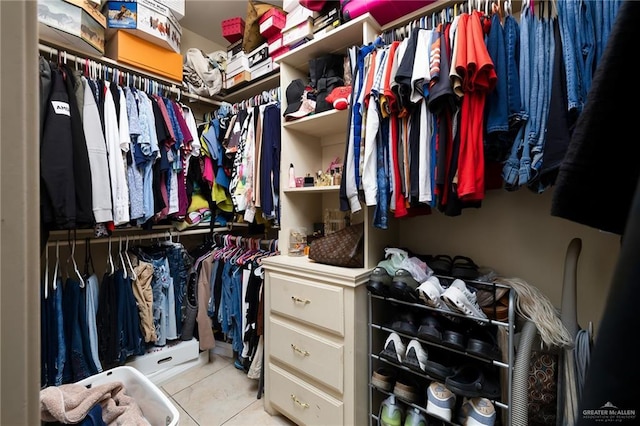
(441, 264)
(472, 382)
(464, 268)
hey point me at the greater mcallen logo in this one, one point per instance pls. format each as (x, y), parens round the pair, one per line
(609, 413)
(61, 108)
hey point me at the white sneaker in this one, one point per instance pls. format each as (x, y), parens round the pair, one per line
(394, 349)
(440, 401)
(416, 357)
(430, 292)
(477, 412)
(458, 297)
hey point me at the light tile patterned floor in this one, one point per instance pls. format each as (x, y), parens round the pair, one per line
(216, 394)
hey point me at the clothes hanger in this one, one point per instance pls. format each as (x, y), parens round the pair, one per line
(134, 276)
(46, 273)
(72, 257)
(124, 265)
(88, 259)
(57, 266)
(110, 266)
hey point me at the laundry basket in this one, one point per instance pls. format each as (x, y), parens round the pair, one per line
(155, 406)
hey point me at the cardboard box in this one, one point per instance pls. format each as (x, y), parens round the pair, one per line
(176, 6)
(231, 81)
(127, 48)
(275, 43)
(232, 29)
(262, 69)
(297, 16)
(272, 22)
(258, 55)
(76, 23)
(234, 49)
(298, 33)
(147, 19)
(239, 63)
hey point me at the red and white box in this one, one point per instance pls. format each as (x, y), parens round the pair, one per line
(272, 22)
(279, 52)
(275, 43)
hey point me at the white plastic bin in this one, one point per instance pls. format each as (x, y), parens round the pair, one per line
(155, 405)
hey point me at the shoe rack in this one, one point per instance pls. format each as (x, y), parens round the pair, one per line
(381, 313)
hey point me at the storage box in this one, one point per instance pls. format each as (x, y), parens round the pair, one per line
(147, 19)
(272, 22)
(258, 55)
(298, 33)
(262, 69)
(238, 64)
(297, 16)
(234, 49)
(281, 51)
(275, 43)
(176, 6)
(132, 50)
(289, 5)
(76, 23)
(154, 404)
(162, 357)
(231, 81)
(233, 29)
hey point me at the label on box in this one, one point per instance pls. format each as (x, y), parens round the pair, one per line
(258, 55)
(241, 77)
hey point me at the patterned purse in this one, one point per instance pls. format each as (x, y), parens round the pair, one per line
(341, 248)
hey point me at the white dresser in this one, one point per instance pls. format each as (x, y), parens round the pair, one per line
(315, 363)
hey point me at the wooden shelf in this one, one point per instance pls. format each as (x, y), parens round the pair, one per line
(335, 41)
(312, 189)
(322, 124)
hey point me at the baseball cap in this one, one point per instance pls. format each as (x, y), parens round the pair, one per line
(307, 106)
(294, 93)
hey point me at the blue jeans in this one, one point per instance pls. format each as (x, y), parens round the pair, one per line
(512, 52)
(92, 293)
(496, 103)
(230, 315)
(179, 268)
(130, 337)
(381, 212)
(160, 289)
(74, 318)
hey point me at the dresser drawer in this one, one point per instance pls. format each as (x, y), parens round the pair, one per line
(317, 304)
(309, 353)
(302, 402)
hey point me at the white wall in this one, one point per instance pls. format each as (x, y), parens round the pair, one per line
(515, 234)
(192, 40)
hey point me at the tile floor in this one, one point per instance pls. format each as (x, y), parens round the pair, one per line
(216, 394)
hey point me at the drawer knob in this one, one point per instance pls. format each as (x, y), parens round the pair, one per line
(300, 351)
(298, 300)
(300, 403)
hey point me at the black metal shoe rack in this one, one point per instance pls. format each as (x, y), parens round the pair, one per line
(380, 313)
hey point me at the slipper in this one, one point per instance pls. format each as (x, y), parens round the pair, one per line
(499, 310)
(464, 268)
(441, 264)
(472, 381)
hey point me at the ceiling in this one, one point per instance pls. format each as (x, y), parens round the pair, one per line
(204, 17)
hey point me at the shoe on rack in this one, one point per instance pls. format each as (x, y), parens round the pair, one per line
(477, 412)
(379, 282)
(407, 390)
(415, 417)
(474, 381)
(403, 286)
(394, 349)
(405, 322)
(391, 412)
(416, 356)
(393, 258)
(460, 298)
(384, 379)
(430, 329)
(483, 342)
(430, 291)
(440, 401)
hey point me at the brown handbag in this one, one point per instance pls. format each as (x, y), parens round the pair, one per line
(341, 248)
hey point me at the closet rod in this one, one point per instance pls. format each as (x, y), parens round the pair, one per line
(156, 235)
(80, 58)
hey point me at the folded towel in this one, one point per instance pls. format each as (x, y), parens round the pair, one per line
(70, 403)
